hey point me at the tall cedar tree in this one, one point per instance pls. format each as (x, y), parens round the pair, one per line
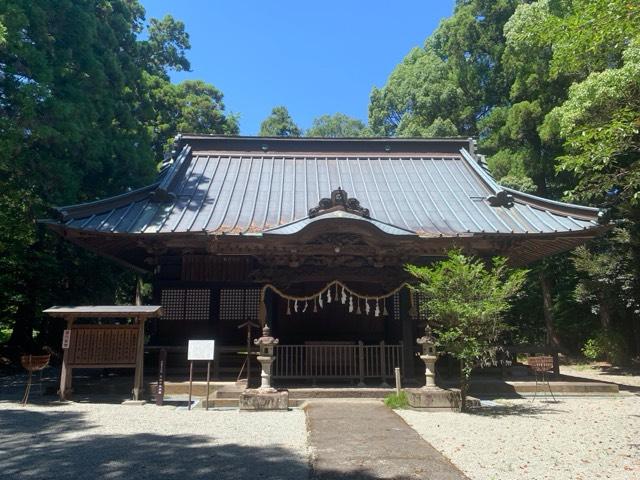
(78, 122)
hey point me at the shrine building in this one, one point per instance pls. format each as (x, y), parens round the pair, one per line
(310, 236)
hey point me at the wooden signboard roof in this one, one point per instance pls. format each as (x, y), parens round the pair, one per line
(104, 311)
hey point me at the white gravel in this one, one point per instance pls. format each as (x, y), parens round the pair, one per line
(115, 441)
(604, 373)
(578, 438)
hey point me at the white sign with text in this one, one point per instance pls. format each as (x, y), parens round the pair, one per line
(201, 349)
(66, 339)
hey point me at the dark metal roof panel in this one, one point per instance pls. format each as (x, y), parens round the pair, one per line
(249, 192)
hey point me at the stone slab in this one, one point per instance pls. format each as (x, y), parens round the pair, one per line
(433, 399)
(260, 401)
(134, 402)
(363, 439)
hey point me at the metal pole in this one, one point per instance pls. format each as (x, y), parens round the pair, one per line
(190, 382)
(208, 377)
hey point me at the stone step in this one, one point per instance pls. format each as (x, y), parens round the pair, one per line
(199, 389)
(483, 387)
(560, 387)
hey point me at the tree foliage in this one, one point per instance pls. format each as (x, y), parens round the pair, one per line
(279, 124)
(454, 80)
(466, 304)
(85, 100)
(337, 125)
(551, 88)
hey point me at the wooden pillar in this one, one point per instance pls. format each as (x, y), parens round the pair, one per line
(139, 374)
(262, 310)
(65, 373)
(407, 333)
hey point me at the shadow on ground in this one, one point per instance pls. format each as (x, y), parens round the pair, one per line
(530, 409)
(52, 445)
(621, 373)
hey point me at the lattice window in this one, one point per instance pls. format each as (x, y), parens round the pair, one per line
(419, 300)
(186, 304)
(172, 304)
(197, 304)
(239, 304)
(396, 306)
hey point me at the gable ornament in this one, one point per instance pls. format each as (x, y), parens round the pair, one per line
(339, 201)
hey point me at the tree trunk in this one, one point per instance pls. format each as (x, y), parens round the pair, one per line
(547, 305)
(603, 312)
(22, 333)
(138, 294)
(464, 386)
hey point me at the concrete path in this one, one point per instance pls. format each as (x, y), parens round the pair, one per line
(366, 440)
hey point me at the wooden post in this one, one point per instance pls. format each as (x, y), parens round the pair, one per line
(208, 379)
(408, 337)
(139, 374)
(216, 364)
(556, 363)
(383, 365)
(190, 382)
(398, 384)
(161, 376)
(361, 363)
(65, 373)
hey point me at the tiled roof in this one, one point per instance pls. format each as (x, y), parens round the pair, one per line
(247, 188)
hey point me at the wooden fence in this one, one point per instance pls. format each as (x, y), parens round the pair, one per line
(335, 361)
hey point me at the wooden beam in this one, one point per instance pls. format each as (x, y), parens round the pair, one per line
(139, 373)
(66, 371)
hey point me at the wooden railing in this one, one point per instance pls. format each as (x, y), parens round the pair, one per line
(337, 361)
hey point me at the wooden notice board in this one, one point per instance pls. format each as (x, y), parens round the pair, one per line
(103, 346)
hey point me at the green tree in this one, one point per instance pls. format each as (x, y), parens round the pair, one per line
(336, 126)
(165, 48)
(419, 92)
(191, 106)
(77, 122)
(466, 303)
(456, 77)
(279, 124)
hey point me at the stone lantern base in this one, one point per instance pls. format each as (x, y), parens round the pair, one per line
(433, 399)
(264, 399)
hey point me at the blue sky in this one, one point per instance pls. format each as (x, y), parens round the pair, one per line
(313, 57)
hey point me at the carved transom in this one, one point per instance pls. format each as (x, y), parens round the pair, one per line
(339, 201)
(338, 239)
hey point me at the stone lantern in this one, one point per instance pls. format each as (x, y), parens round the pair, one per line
(429, 357)
(430, 397)
(266, 397)
(266, 344)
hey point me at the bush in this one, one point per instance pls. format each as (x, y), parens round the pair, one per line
(609, 346)
(396, 400)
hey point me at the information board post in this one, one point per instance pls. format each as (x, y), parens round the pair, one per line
(206, 407)
(200, 350)
(190, 382)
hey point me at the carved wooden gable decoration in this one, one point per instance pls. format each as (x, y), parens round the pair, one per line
(339, 201)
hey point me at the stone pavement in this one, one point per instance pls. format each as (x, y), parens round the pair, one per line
(366, 440)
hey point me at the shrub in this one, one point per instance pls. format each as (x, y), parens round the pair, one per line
(607, 345)
(396, 400)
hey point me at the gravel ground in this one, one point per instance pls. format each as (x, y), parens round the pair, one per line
(604, 373)
(577, 438)
(80, 441)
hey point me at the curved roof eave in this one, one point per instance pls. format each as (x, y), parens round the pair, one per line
(339, 215)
